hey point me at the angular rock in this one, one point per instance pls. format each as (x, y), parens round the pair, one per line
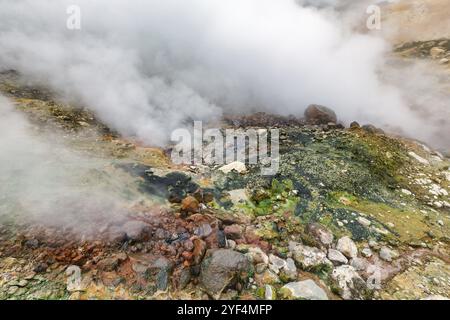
(203, 231)
(307, 290)
(366, 252)
(237, 166)
(365, 222)
(267, 277)
(336, 257)
(199, 251)
(347, 247)
(276, 263)
(269, 292)
(289, 271)
(181, 278)
(160, 271)
(309, 258)
(351, 285)
(317, 114)
(233, 232)
(387, 254)
(220, 269)
(359, 264)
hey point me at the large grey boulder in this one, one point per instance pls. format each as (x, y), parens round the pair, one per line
(307, 290)
(221, 268)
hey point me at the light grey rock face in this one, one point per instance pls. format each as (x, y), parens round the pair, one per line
(219, 268)
(308, 258)
(234, 166)
(359, 264)
(350, 283)
(307, 290)
(387, 254)
(290, 270)
(347, 247)
(365, 222)
(337, 257)
(269, 292)
(366, 252)
(276, 263)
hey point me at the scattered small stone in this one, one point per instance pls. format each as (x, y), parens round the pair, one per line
(190, 205)
(337, 257)
(419, 158)
(203, 230)
(231, 244)
(260, 267)
(289, 271)
(347, 247)
(237, 166)
(363, 221)
(366, 252)
(306, 289)
(269, 292)
(387, 254)
(407, 192)
(276, 263)
(32, 243)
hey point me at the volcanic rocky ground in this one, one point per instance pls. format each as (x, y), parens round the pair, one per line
(353, 213)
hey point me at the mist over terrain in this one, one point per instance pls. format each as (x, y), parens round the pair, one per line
(42, 181)
(145, 67)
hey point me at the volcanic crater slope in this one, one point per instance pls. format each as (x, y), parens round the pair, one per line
(353, 213)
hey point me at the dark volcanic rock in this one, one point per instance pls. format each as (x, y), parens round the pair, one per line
(372, 129)
(316, 114)
(222, 268)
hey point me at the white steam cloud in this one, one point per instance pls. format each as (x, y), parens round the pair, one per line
(145, 66)
(44, 183)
